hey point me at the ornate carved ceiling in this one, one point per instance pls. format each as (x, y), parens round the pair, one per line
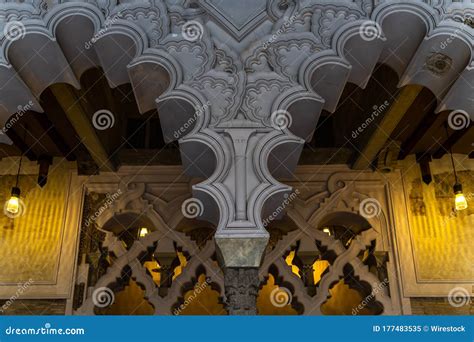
(234, 42)
(238, 17)
(240, 87)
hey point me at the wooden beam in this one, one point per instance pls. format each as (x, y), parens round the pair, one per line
(79, 119)
(408, 146)
(54, 135)
(85, 164)
(388, 124)
(325, 156)
(21, 145)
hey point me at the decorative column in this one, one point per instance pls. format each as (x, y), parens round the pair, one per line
(307, 254)
(241, 122)
(165, 255)
(241, 289)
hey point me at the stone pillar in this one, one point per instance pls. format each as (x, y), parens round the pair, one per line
(241, 290)
(166, 276)
(307, 254)
(165, 254)
(235, 130)
(243, 193)
(307, 275)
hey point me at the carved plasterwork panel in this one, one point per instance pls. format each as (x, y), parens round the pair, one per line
(238, 17)
(287, 54)
(224, 89)
(194, 56)
(261, 89)
(155, 200)
(328, 19)
(150, 199)
(338, 195)
(150, 17)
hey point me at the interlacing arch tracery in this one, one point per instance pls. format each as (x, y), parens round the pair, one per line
(342, 200)
(138, 204)
(134, 206)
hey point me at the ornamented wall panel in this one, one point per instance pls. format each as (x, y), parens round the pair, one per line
(435, 243)
(353, 208)
(38, 248)
(359, 267)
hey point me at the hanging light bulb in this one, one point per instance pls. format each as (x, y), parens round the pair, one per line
(460, 202)
(142, 232)
(13, 204)
(327, 231)
(459, 198)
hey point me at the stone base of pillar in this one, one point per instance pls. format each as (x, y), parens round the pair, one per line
(241, 290)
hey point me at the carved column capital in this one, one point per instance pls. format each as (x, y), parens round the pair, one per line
(241, 290)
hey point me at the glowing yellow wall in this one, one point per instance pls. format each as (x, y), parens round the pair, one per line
(441, 240)
(30, 245)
